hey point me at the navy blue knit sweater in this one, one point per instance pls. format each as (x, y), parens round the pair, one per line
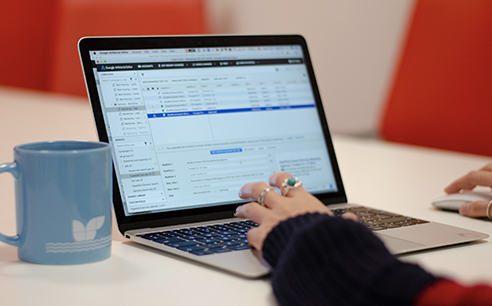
(323, 260)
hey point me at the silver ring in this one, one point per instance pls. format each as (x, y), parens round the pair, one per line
(288, 184)
(261, 198)
(488, 210)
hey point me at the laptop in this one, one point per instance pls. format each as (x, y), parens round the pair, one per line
(191, 119)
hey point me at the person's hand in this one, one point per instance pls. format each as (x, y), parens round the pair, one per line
(276, 207)
(481, 177)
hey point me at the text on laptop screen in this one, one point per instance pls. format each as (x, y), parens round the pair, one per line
(189, 127)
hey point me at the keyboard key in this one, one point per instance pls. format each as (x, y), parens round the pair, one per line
(241, 240)
(356, 209)
(376, 228)
(207, 240)
(169, 240)
(168, 234)
(219, 227)
(250, 223)
(398, 219)
(225, 232)
(219, 250)
(241, 230)
(201, 252)
(229, 243)
(391, 225)
(239, 247)
(212, 245)
(237, 225)
(150, 236)
(191, 237)
(182, 244)
(379, 216)
(367, 218)
(203, 229)
(209, 235)
(416, 221)
(191, 248)
(184, 232)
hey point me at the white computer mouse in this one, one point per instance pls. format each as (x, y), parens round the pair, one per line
(454, 201)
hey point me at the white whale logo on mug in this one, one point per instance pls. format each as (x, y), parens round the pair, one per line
(81, 232)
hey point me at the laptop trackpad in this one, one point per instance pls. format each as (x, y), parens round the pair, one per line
(397, 245)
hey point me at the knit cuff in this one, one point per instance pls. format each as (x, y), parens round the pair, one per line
(323, 260)
(279, 237)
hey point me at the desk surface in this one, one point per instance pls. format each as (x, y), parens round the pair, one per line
(388, 176)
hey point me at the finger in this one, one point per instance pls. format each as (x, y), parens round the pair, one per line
(470, 181)
(350, 216)
(255, 237)
(252, 211)
(474, 209)
(253, 191)
(278, 178)
(487, 167)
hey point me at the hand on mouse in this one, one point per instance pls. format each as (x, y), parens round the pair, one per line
(481, 177)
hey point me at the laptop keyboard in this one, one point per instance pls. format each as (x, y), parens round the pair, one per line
(205, 240)
(377, 220)
(227, 237)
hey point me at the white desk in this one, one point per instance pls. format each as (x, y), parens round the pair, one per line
(387, 176)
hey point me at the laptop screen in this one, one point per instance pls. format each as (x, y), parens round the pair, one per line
(190, 126)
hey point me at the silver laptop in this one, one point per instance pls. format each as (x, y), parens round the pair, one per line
(192, 119)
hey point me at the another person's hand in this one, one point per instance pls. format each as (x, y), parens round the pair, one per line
(276, 207)
(481, 177)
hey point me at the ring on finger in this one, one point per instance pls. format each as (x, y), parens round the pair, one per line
(261, 198)
(288, 184)
(488, 210)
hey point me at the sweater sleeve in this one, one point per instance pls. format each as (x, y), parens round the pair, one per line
(323, 260)
(449, 293)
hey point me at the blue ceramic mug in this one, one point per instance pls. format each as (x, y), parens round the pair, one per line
(63, 193)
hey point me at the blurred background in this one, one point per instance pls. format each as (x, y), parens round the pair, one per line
(368, 55)
(354, 46)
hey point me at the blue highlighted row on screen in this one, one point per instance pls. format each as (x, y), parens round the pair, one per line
(224, 111)
(226, 151)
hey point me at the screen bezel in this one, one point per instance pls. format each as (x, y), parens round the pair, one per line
(150, 220)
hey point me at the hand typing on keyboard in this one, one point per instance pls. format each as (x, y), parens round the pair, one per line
(321, 260)
(275, 207)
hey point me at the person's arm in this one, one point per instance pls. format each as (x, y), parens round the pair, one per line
(322, 260)
(319, 259)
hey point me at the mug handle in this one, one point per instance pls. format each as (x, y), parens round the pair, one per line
(12, 168)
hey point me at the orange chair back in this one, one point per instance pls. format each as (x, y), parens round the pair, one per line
(441, 96)
(25, 39)
(80, 18)
(39, 39)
